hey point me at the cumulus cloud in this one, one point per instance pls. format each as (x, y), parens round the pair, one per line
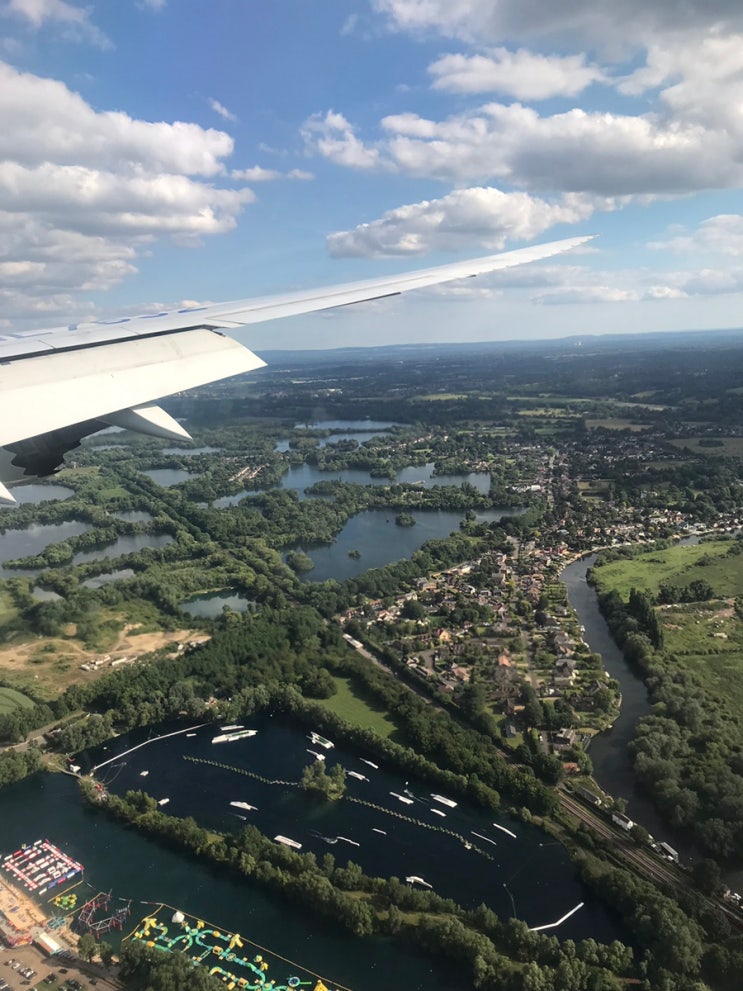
(604, 154)
(487, 217)
(83, 192)
(722, 234)
(74, 21)
(606, 23)
(523, 74)
(219, 108)
(334, 137)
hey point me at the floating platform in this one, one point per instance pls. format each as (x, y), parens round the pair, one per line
(240, 734)
(320, 741)
(402, 798)
(444, 801)
(40, 866)
(232, 958)
(288, 842)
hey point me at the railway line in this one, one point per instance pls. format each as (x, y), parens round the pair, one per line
(644, 862)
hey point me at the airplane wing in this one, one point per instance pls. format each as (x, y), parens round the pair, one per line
(59, 385)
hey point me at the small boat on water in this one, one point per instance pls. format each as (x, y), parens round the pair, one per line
(438, 812)
(240, 734)
(163, 801)
(232, 726)
(375, 830)
(355, 774)
(402, 798)
(315, 754)
(370, 763)
(244, 805)
(143, 774)
(287, 842)
(444, 801)
(414, 879)
(320, 741)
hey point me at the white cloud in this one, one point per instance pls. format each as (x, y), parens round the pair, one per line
(155, 5)
(332, 136)
(43, 120)
(487, 217)
(83, 192)
(219, 108)
(611, 24)
(722, 234)
(605, 154)
(523, 74)
(74, 21)
(258, 174)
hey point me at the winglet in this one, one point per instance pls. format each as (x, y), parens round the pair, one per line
(149, 419)
(5, 495)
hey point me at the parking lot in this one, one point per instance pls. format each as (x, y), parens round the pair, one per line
(50, 973)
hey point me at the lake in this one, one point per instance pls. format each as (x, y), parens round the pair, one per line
(301, 477)
(380, 541)
(133, 866)
(528, 875)
(211, 604)
(33, 540)
(127, 544)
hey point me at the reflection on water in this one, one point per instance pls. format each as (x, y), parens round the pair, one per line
(379, 541)
(38, 493)
(124, 545)
(211, 604)
(33, 540)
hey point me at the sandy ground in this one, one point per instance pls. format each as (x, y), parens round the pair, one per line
(28, 914)
(50, 665)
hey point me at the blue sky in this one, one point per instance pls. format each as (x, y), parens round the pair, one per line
(156, 151)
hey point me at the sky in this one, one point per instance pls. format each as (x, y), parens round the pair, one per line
(157, 152)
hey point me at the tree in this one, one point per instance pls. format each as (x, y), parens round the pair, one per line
(106, 952)
(87, 946)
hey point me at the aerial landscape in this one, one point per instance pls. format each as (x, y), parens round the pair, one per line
(403, 650)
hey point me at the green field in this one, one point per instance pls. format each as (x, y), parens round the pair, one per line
(730, 446)
(349, 704)
(703, 637)
(10, 700)
(678, 566)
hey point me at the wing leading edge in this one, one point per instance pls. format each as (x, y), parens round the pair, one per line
(59, 385)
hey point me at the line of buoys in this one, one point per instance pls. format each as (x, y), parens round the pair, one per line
(418, 822)
(240, 770)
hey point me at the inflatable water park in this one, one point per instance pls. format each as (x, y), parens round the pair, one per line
(237, 961)
(40, 866)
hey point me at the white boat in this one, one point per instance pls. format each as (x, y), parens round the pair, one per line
(444, 801)
(288, 842)
(408, 801)
(320, 741)
(240, 734)
(316, 754)
(232, 726)
(163, 801)
(375, 830)
(346, 840)
(413, 879)
(438, 812)
(244, 805)
(355, 774)
(370, 763)
(143, 774)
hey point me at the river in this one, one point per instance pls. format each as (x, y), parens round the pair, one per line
(612, 767)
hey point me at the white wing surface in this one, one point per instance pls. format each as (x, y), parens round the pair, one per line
(59, 385)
